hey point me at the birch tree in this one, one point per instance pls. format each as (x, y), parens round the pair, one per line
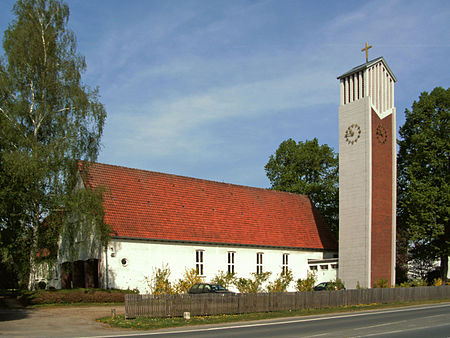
(49, 120)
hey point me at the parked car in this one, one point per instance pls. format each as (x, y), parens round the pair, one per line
(327, 286)
(207, 288)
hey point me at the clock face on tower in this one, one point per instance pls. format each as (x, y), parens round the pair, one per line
(381, 134)
(352, 134)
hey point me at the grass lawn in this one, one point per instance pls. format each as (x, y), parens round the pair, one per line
(158, 323)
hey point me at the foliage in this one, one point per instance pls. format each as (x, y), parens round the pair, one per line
(403, 285)
(83, 218)
(420, 267)
(402, 256)
(337, 284)
(380, 284)
(281, 283)
(413, 283)
(69, 296)
(159, 283)
(311, 169)
(359, 287)
(254, 284)
(419, 282)
(49, 119)
(306, 284)
(190, 278)
(437, 282)
(424, 177)
(225, 279)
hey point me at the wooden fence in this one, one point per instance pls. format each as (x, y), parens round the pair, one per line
(212, 304)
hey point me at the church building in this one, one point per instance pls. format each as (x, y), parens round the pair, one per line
(160, 220)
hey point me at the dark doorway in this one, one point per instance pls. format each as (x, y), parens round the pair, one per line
(80, 274)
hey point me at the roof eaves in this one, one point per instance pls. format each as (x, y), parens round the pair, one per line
(367, 65)
(222, 244)
(325, 260)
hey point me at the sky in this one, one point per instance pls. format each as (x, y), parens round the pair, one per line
(209, 89)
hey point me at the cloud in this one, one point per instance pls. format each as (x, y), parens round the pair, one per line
(199, 83)
(162, 123)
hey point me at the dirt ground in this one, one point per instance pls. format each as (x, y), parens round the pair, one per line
(58, 321)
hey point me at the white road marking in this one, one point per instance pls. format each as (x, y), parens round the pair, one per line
(383, 311)
(385, 324)
(403, 331)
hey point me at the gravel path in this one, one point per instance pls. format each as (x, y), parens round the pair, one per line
(58, 321)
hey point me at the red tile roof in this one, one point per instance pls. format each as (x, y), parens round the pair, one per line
(151, 205)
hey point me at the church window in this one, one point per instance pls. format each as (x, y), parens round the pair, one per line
(231, 262)
(199, 262)
(334, 266)
(324, 267)
(313, 267)
(259, 262)
(285, 266)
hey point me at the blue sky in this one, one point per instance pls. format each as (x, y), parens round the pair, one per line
(209, 89)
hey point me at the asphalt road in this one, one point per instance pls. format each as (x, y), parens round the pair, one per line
(418, 321)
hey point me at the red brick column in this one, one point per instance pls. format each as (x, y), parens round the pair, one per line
(382, 161)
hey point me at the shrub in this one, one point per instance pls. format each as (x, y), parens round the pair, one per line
(437, 282)
(380, 283)
(159, 284)
(252, 285)
(414, 283)
(224, 279)
(67, 296)
(281, 283)
(337, 284)
(190, 278)
(306, 284)
(404, 285)
(419, 282)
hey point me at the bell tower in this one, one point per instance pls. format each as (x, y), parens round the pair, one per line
(367, 174)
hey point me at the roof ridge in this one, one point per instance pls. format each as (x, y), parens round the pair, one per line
(366, 65)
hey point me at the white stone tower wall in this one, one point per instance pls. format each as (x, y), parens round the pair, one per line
(354, 192)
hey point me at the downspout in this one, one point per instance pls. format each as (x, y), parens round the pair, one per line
(106, 268)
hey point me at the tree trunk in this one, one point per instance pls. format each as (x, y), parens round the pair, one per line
(33, 251)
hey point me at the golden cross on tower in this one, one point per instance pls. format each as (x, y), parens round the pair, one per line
(367, 51)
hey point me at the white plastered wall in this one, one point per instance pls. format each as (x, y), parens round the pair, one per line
(143, 257)
(354, 195)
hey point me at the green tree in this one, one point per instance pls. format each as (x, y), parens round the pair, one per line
(49, 119)
(424, 176)
(310, 169)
